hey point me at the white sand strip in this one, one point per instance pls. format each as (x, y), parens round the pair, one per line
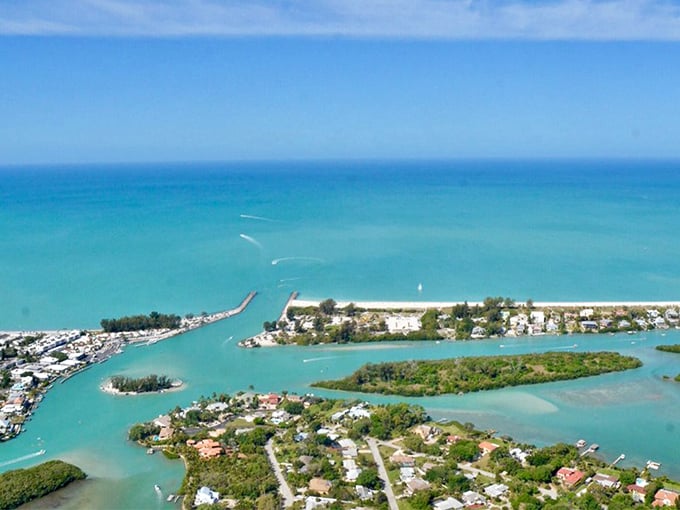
(423, 305)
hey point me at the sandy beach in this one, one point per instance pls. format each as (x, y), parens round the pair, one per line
(423, 305)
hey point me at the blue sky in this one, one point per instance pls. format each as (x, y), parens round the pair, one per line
(114, 80)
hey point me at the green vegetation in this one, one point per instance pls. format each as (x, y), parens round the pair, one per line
(154, 320)
(146, 384)
(462, 375)
(246, 476)
(669, 348)
(23, 485)
(141, 431)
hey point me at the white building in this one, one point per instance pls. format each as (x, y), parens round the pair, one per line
(206, 496)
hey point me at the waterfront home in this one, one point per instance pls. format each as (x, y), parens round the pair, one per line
(270, 401)
(569, 476)
(665, 497)
(165, 433)
(478, 332)
(487, 447)
(637, 492)
(207, 448)
(448, 504)
(162, 421)
(401, 324)
(606, 481)
(519, 455)
(319, 485)
(589, 326)
(206, 496)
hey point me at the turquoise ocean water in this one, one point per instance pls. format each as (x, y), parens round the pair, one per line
(81, 243)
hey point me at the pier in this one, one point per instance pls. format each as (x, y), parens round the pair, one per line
(293, 296)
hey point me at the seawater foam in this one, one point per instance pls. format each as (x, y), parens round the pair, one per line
(258, 218)
(307, 259)
(250, 240)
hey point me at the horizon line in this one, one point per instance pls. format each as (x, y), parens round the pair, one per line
(302, 160)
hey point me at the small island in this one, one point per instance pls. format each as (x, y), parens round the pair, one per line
(119, 384)
(669, 348)
(463, 375)
(20, 486)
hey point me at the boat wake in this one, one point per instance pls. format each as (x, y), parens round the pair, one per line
(258, 218)
(286, 259)
(574, 346)
(309, 360)
(25, 457)
(250, 240)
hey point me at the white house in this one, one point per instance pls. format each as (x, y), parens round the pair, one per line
(206, 496)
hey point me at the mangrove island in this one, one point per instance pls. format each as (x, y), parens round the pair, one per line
(20, 486)
(463, 375)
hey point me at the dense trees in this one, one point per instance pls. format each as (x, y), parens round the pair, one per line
(669, 348)
(23, 485)
(141, 431)
(462, 375)
(154, 320)
(151, 382)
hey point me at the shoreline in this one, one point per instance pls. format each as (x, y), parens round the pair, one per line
(389, 319)
(84, 348)
(107, 387)
(423, 305)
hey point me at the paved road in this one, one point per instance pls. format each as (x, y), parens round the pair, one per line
(284, 489)
(383, 473)
(468, 467)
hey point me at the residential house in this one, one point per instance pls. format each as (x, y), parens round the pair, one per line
(637, 492)
(665, 497)
(319, 485)
(487, 447)
(569, 476)
(448, 504)
(206, 496)
(473, 498)
(402, 460)
(416, 484)
(606, 481)
(496, 490)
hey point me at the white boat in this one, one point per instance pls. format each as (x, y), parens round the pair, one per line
(157, 488)
(420, 287)
(580, 443)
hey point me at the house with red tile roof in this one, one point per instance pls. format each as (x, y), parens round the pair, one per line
(665, 497)
(570, 476)
(487, 447)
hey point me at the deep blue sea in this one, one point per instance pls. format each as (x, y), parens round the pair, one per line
(78, 244)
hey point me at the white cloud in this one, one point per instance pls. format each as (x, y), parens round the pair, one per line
(418, 19)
